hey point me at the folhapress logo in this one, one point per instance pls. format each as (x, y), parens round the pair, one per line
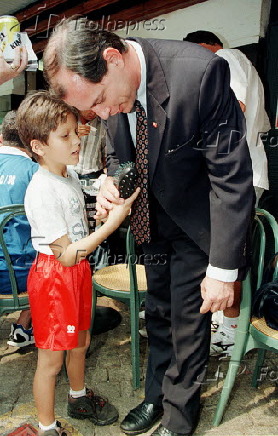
(70, 329)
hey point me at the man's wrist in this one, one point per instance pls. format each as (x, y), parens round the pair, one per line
(223, 275)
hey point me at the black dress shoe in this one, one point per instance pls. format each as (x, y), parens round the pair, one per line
(106, 318)
(141, 419)
(163, 431)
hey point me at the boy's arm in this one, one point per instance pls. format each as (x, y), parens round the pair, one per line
(70, 253)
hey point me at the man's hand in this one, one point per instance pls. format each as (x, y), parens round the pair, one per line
(217, 295)
(83, 129)
(10, 71)
(107, 196)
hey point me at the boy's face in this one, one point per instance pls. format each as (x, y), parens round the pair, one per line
(62, 147)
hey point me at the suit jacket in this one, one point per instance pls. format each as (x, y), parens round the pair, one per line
(199, 164)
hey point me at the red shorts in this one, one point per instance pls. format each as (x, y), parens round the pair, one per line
(60, 301)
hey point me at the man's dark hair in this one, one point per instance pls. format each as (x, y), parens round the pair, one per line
(9, 131)
(76, 45)
(203, 36)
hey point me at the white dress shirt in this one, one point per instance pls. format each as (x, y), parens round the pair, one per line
(248, 88)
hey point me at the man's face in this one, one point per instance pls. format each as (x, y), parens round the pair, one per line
(115, 93)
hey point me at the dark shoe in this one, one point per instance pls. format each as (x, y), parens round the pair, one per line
(93, 407)
(163, 431)
(141, 419)
(106, 318)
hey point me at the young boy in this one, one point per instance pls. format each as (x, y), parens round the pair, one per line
(59, 283)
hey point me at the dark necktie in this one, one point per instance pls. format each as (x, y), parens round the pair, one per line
(140, 215)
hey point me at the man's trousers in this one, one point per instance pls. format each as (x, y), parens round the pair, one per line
(179, 336)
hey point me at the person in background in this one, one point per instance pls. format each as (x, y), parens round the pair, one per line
(92, 160)
(16, 171)
(169, 108)
(249, 91)
(10, 71)
(60, 280)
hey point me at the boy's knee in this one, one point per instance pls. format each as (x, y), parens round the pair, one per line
(56, 369)
(50, 362)
(80, 350)
(84, 341)
(50, 369)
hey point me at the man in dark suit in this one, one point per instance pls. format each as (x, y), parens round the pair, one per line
(197, 201)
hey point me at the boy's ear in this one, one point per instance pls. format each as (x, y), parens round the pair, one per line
(1, 139)
(37, 147)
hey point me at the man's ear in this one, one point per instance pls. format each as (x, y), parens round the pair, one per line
(37, 147)
(112, 56)
(1, 140)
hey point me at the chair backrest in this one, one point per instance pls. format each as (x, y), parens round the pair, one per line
(269, 236)
(7, 213)
(265, 231)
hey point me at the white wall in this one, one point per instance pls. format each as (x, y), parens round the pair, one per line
(236, 22)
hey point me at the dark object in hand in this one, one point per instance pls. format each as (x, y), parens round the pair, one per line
(126, 179)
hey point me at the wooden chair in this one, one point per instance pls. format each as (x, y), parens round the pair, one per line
(126, 283)
(15, 301)
(252, 332)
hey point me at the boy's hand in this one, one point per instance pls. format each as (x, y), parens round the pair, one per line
(119, 211)
(106, 198)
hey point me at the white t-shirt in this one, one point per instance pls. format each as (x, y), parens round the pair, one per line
(55, 207)
(248, 88)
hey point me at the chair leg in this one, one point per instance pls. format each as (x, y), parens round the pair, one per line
(258, 366)
(135, 347)
(225, 394)
(238, 352)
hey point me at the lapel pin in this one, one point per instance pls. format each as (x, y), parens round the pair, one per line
(155, 125)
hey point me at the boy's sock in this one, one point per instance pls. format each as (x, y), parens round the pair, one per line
(78, 394)
(230, 325)
(48, 427)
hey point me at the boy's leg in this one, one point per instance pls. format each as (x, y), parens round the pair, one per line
(49, 365)
(76, 361)
(82, 403)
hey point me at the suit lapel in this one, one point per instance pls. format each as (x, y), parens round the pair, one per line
(156, 127)
(157, 94)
